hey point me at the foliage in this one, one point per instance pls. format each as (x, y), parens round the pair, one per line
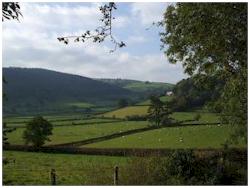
(185, 168)
(158, 112)
(11, 10)
(6, 130)
(37, 131)
(210, 39)
(197, 117)
(100, 32)
(122, 103)
(137, 118)
(54, 91)
(188, 93)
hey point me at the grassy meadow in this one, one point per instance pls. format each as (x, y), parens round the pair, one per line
(72, 133)
(192, 137)
(34, 168)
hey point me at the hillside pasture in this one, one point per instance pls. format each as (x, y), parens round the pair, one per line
(179, 116)
(145, 86)
(203, 136)
(66, 134)
(127, 111)
(80, 104)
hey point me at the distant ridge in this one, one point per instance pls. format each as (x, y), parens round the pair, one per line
(35, 88)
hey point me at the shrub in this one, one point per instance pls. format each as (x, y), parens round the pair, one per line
(136, 118)
(185, 168)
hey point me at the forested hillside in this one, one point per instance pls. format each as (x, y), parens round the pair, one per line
(39, 88)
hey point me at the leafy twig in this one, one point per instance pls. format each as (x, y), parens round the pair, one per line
(101, 32)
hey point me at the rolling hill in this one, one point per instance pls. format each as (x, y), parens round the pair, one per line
(39, 89)
(147, 88)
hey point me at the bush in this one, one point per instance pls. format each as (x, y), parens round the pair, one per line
(136, 118)
(197, 117)
(185, 168)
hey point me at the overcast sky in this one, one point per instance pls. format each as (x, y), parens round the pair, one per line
(32, 42)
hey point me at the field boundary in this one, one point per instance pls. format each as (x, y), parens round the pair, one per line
(107, 137)
(75, 124)
(239, 153)
(125, 133)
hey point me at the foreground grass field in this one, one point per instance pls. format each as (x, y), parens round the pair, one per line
(34, 168)
(210, 136)
(72, 133)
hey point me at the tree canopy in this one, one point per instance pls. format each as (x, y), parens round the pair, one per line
(210, 39)
(37, 131)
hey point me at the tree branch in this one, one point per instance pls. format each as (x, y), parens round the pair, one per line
(101, 32)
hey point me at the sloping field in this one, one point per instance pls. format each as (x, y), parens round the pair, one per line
(32, 168)
(209, 136)
(65, 134)
(143, 86)
(180, 116)
(127, 111)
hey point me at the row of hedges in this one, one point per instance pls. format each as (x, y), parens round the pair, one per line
(236, 153)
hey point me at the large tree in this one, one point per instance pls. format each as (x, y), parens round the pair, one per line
(158, 112)
(37, 131)
(210, 39)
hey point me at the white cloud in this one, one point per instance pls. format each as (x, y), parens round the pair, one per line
(33, 43)
(149, 12)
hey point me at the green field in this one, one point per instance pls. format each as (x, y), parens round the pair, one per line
(48, 117)
(210, 136)
(144, 86)
(34, 168)
(67, 122)
(180, 116)
(71, 133)
(127, 111)
(81, 104)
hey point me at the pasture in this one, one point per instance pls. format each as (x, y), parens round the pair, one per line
(189, 137)
(72, 133)
(34, 168)
(66, 122)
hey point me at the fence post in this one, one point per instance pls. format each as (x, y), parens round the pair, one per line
(116, 175)
(53, 176)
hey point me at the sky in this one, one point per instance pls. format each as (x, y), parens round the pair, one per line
(33, 43)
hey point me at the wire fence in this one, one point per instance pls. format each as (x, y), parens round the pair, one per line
(59, 176)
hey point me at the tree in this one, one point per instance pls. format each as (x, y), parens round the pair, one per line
(210, 39)
(158, 112)
(122, 103)
(6, 130)
(37, 131)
